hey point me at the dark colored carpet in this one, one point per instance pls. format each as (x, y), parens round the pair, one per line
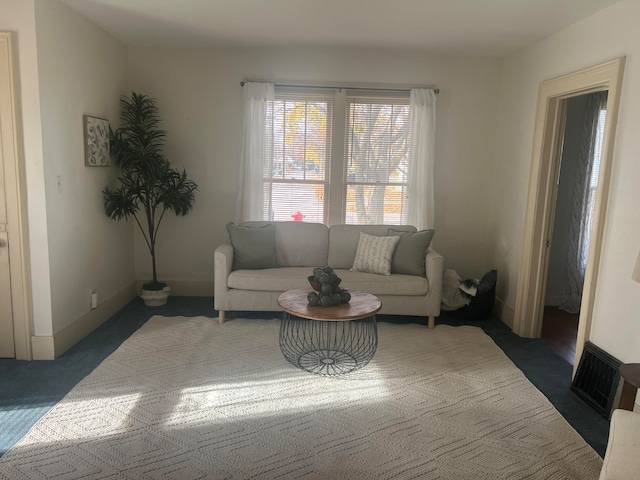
(29, 389)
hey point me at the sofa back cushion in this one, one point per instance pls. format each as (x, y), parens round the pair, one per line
(301, 244)
(343, 241)
(410, 252)
(253, 244)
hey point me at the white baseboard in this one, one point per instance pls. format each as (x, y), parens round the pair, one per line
(185, 288)
(51, 347)
(504, 312)
(43, 348)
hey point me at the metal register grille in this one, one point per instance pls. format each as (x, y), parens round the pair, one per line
(597, 378)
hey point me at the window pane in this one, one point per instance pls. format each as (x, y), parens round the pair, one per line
(377, 157)
(301, 132)
(602, 118)
(376, 204)
(296, 201)
(593, 185)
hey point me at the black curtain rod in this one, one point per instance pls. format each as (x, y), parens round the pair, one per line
(353, 87)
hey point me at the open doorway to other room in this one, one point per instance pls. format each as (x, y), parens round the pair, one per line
(573, 220)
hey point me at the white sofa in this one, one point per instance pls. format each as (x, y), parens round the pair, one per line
(621, 461)
(300, 246)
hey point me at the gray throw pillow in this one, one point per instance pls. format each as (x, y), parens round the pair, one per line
(253, 247)
(409, 254)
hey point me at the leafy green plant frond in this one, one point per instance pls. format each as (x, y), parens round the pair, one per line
(121, 203)
(139, 140)
(179, 194)
(148, 185)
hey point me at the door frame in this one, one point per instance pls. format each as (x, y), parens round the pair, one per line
(16, 200)
(547, 146)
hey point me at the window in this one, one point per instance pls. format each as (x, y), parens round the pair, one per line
(377, 160)
(363, 179)
(296, 170)
(593, 185)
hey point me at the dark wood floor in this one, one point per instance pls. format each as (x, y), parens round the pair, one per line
(559, 331)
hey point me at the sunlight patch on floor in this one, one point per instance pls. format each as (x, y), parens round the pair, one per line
(227, 402)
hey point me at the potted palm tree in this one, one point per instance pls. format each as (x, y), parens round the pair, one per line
(148, 185)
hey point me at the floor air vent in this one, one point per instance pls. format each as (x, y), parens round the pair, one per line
(597, 378)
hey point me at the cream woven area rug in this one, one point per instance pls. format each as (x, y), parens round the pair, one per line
(186, 398)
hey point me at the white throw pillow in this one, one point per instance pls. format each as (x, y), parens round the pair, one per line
(374, 254)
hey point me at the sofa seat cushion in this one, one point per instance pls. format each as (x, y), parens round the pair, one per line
(394, 284)
(270, 279)
(282, 279)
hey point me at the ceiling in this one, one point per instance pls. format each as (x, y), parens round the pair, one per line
(459, 27)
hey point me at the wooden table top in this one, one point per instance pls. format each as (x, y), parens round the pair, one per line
(631, 373)
(361, 305)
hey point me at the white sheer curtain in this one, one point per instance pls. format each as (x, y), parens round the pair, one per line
(585, 183)
(420, 208)
(257, 99)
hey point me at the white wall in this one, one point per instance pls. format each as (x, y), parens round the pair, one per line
(82, 71)
(199, 96)
(18, 16)
(608, 34)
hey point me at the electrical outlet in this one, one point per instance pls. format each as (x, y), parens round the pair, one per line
(93, 298)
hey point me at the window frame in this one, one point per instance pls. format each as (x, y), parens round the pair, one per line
(297, 94)
(355, 97)
(335, 181)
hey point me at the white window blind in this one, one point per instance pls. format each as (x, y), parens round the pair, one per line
(370, 161)
(593, 185)
(296, 171)
(376, 159)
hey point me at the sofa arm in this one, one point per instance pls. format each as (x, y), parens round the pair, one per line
(434, 265)
(621, 461)
(222, 264)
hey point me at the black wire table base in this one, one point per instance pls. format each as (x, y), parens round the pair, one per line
(328, 347)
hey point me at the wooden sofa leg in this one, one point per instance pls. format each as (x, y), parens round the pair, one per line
(432, 323)
(221, 316)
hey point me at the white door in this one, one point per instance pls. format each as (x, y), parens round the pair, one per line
(7, 345)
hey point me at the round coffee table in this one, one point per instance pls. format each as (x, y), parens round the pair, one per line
(328, 340)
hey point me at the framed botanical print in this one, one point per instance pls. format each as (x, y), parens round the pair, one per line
(96, 142)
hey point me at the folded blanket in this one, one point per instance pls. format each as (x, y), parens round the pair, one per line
(452, 297)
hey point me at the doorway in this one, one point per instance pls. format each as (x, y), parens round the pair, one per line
(579, 166)
(7, 342)
(15, 298)
(547, 147)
